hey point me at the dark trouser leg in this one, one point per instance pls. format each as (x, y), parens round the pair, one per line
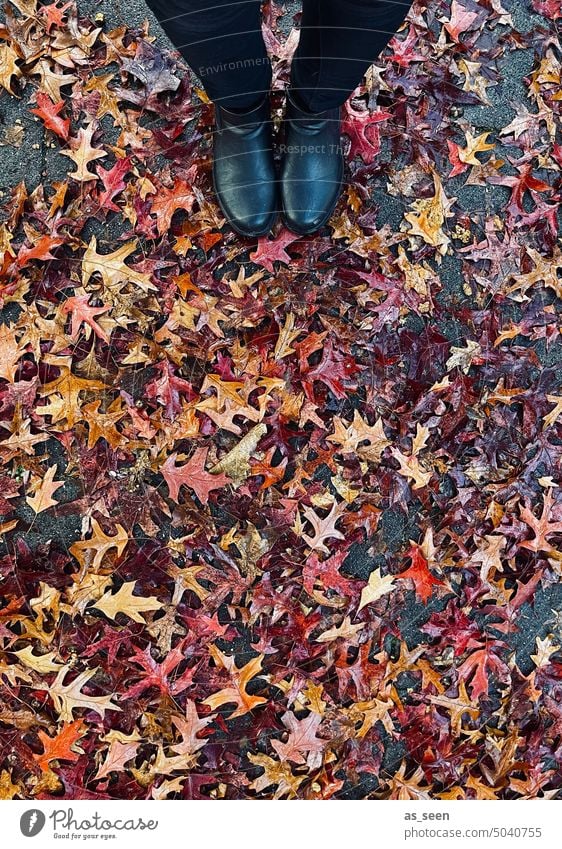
(221, 40)
(339, 40)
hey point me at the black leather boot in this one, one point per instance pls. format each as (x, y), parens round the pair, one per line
(244, 169)
(312, 167)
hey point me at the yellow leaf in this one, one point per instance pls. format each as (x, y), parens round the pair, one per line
(8, 67)
(376, 588)
(112, 267)
(429, 216)
(42, 499)
(83, 154)
(41, 662)
(100, 543)
(240, 679)
(346, 631)
(69, 697)
(236, 464)
(545, 648)
(124, 601)
(474, 145)
(7, 788)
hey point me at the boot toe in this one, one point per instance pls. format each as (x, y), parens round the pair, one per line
(303, 221)
(306, 211)
(246, 214)
(253, 223)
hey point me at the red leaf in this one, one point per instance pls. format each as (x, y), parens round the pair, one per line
(269, 251)
(419, 573)
(193, 475)
(49, 114)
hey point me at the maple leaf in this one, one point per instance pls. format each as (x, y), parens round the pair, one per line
(69, 697)
(124, 601)
(82, 153)
(193, 475)
(42, 498)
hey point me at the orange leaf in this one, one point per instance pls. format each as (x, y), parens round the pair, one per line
(419, 573)
(59, 747)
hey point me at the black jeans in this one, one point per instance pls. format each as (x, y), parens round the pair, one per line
(222, 43)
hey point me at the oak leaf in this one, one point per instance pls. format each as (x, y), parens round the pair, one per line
(302, 740)
(236, 693)
(49, 113)
(192, 474)
(376, 587)
(42, 498)
(69, 697)
(83, 153)
(62, 747)
(100, 543)
(419, 574)
(124, 601)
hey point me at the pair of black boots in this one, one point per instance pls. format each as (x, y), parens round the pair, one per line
(248, 189)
